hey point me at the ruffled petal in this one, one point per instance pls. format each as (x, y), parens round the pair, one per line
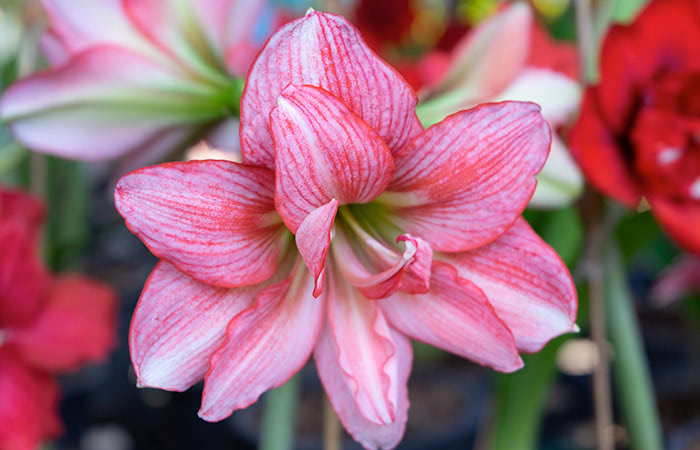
(371, 435)
(29, 406)
(265, 345)
(526, 282)
(323, 151)
(378, 271)
(76, 325)
(214, 220)
(178, 324)
(325, 50)
(454, 316)
(367, 354)
(313, 240)
(465, 180)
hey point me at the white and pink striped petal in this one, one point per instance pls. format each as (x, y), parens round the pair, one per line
(526, 282)
(325, 50)
(177, 325)
(265, 345)
(214, 220)
(367, 354)
(370, 434)
(323, 151)
(457, 317)
(465, 180)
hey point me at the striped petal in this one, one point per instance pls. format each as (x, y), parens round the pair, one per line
(313, 240)
(325, 50)
(265, 345)
(454, 316)
(367, 354)
(526, 282)
(323, 151)
(371, 435)
(465, 180)
(178, 324)
(214, 220)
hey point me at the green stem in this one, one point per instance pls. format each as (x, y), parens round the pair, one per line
(512, 429)
(278, 421)
(630, 367)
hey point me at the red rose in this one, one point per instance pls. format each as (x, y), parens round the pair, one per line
(638, 134)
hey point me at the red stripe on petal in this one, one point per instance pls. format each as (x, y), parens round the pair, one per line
(325, 50)
(323, 151)
(526, 282)
(465, 180)
(178, 324)
(214, 220)
(313, 240)
(367, 355)
(454, 316)
(265, 345)
(367, 433)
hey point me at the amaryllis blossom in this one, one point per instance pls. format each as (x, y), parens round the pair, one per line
(48, 325)
(346, 231)
(134, 76)
(510, 57)
(638, 132)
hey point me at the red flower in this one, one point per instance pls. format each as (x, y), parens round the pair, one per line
(405, 232)
(638, 134)
(48, 325)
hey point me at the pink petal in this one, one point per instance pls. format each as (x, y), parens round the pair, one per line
(94, 106)
(313, 240)
(383, 271)
(77, 325)
(465, 180)
(367, 355)
(454, 316)
(369, 434)
(323, 151)
(178, 324)
(214, 220)
(265, 345)
(325, 50)
(29, 406)
(526, 282)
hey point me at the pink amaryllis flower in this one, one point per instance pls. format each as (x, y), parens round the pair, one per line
(405, 234)
(135, 76)
(48, 325)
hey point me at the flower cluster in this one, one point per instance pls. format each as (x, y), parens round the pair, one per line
(637, 134)
(48, 325)
(403, 232)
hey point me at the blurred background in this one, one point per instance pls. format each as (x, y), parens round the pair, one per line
(454, 404)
